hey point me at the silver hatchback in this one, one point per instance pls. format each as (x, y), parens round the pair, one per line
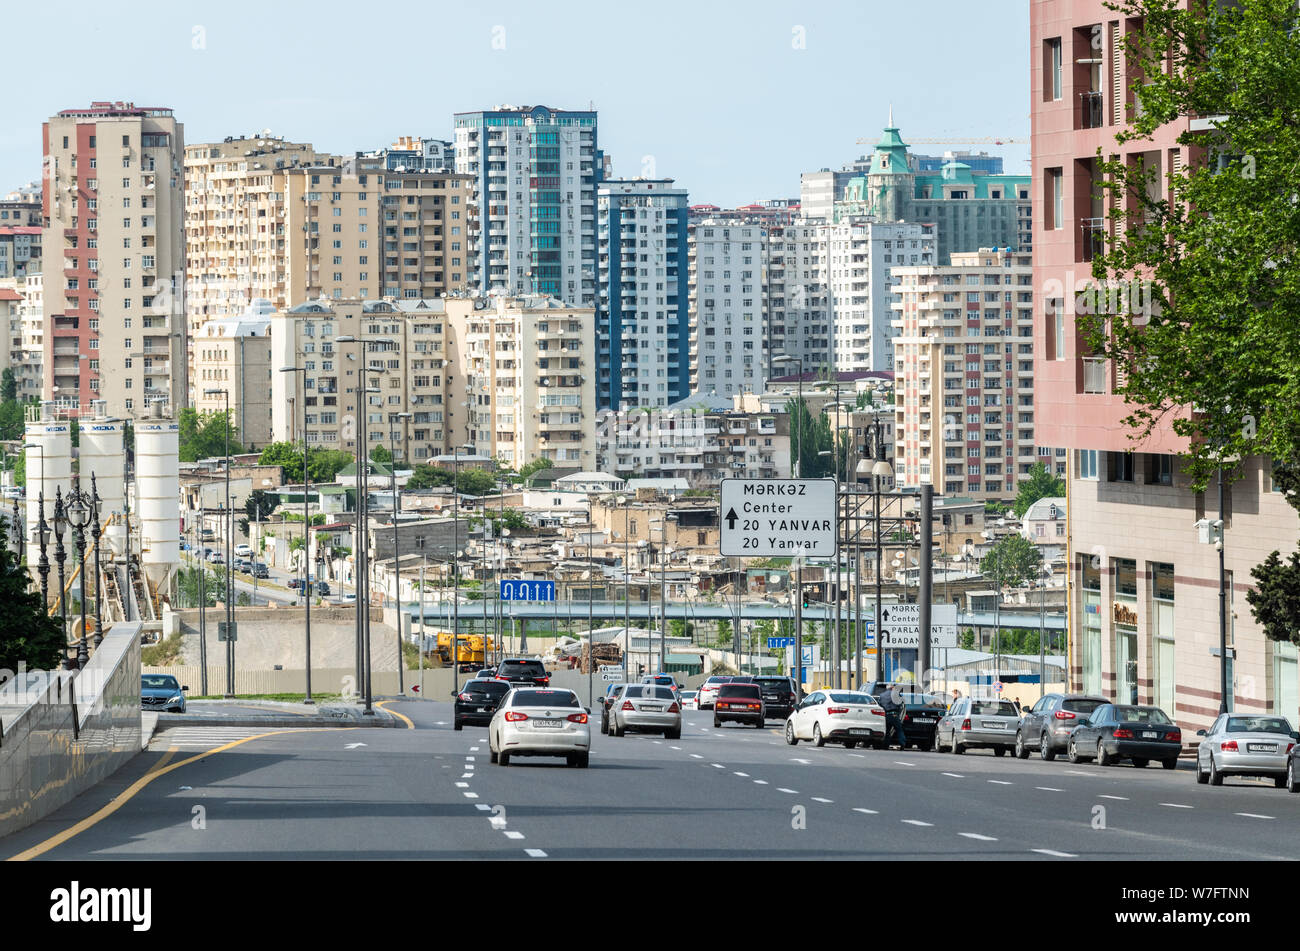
(646, 708)
(972, 723)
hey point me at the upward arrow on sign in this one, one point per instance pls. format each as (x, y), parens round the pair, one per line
(731, 518)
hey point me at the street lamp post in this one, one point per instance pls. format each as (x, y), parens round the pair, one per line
(397, 556)
(795, 470)
(60, 556)
(226, 524)
(306, 531)
(81, 510)
(880, 470)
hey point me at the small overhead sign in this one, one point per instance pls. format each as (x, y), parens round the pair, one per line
(901, 625)
(778, 518)
(527, 590)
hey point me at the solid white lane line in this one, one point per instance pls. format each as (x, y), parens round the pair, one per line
(917, 822)
(1000, 782)
(820, 799)
(977, 836)
(514, 835)
(955, 775)
(761, 782)
(1049, 789)
(746, 775)
(1177, 805)
(1056, 854)
(1120, 798)
(535, 853)
(1253, 815)
(793, 792)
(869, 812)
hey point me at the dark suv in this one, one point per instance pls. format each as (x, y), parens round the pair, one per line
(477, 700)
(778, 696)
(1047, 726)
(524, 670)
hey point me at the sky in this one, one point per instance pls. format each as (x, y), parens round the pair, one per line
(733, 101)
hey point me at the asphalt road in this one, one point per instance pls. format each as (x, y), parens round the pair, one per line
(735, 792)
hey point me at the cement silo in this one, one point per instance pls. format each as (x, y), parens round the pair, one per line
(48, 466)
(157, 494)
(101, 453)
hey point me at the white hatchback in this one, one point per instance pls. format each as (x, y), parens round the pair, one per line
(537, 721)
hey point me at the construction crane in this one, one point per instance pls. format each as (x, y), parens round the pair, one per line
(986, 140)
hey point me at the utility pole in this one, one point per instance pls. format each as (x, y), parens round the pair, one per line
(925, 535)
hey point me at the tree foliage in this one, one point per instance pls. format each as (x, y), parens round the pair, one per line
(1219, 245)
(1040, 484)
(204, 436)
(8, 386)
(324, 464)
(808, 437)
(1012, 560)
(27, 634)
(529, 469)
(1275, 600)
(260, 504)
(381, 454)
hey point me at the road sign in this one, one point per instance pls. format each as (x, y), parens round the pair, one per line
(997, 686)
(779, 642)
(901, 625)
(612, 676)
(778, 518)
(527, 590)
(227, 632)
(811, 657)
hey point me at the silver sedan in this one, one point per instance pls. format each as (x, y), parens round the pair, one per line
(646, 708)
(1244, 746)
(539, 722)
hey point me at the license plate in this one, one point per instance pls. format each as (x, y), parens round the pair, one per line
(1149, 734)
(656, 708)
(856, 732)
(992, 725)
(1262, 747)
(923, 719)
(548, 724)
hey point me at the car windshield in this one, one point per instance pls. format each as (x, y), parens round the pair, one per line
(545, 698)
(1140, 715)
(159, 682)
(851, 698)
(740, 690)
(689, 694)
(994, 708)
(1081, 706)
(1258, 725)
(522, 667)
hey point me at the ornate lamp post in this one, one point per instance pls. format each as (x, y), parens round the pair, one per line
(43, 566)
(60, 556)
(79, 508)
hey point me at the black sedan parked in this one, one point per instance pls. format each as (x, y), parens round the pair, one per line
(1114, 732)
(477, 701)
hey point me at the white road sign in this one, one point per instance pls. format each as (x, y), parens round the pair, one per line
(778, 518)
(901, 625)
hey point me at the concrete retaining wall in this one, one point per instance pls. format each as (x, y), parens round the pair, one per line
(63, 733)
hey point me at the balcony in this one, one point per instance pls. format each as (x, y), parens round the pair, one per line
(1090, 110)
(1094, 375)
(1094, 237)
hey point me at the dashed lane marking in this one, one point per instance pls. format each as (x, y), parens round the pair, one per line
(1000, 782)
(1055, 854)
(760, 782)
(793, 792)
(1252, 815)
(977, 837)
(1049, 789)
(820, 799)
(514, 835)
(471, 795)
(1120, 798)
(746, 775)
(535, 853)
(917, 822)
(1177, 805)
(869, 812)
(955, 775)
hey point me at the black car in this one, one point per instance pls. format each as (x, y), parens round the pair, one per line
(260, 570)
(524, 670)
(740, 702)
(779, 697)
(1048, 725)
(1114, 732)
(477, 701)
(610, 692)
(921, 711)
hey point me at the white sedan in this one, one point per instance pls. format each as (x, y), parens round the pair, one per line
(837, 716)
(539, 722)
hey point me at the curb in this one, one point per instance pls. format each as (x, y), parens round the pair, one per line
(379, 720)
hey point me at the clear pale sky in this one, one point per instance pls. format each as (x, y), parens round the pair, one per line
(719, 95)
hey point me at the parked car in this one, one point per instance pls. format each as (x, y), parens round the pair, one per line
(322, 588)
(539, 722)
(1113, 732)
(242, 565)
(476, 701)
(740, 702)
(260, 570)
(709, 691)
(837, 716)
(645, 708)
(13, 492)
(529, 671)
(216, 558)
(162, 692)
(779, 696)
(245, 551)
(975, 723)
(1246, 746)
(610, 693)
(1046, 727)
(921, 711)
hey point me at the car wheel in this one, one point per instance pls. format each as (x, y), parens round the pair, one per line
(503, 759)
(1171, 763)
(999, 751)
(761, 724)
(672, 734)
(1291, 784)
(956, 744)
(1140, 762)
(790, 738)
(717, 724)
(614, 729)
(817, 739)
(1021, 752)
(1103, 758)
(938, 746)
(1045, 749)
(458, 726)
(1073, 752)
(583, 759)
(850, 744)
(604, 726)
(1202, 777)
(1216, 777)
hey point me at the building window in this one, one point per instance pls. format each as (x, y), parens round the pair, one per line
(1159, 469)
(1052, 69)
(1055, 199)
(1119, 467)
(1086, 463)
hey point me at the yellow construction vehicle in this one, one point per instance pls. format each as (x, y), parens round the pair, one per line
(470, 648)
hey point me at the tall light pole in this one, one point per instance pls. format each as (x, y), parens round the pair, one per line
(225, 528)
(879, 469)
(397, 556)
(795, 470)
(306, 528)
(624, 502)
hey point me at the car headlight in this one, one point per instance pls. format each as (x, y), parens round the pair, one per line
(177, 699)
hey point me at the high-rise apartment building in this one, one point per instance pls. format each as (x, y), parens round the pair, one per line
(799, 271)
(521, 380)
(643, 305)
(20, 250)
(113, 206)
(414, 154)
(22, 299)
(964, 375)
(1143, 591)
(534, 172)
(22, 207)
(728, 343)
(233, 354)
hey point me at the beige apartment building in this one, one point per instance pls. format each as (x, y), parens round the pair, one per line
(233, 355)
(522, 371)
(964, 384)
(113, 204)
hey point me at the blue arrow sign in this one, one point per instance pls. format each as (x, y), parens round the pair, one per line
(527, 590)
(777, 642)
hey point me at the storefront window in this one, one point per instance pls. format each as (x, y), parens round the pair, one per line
(1162, 635)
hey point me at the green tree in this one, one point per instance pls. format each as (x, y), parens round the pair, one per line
(260, 504)
(724, 632)
(1040, 484)
(12, 423)
(1275, 600)
(20, 470)
(1217, 246)
(968, 639)
(204, 436)
(529, 469)
(381, 454)
(1012, 560)
(324, 464)
(8, 386)
(475, 482)
(27, 634)
(808, 437)
(428, 477)
(187, 586)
